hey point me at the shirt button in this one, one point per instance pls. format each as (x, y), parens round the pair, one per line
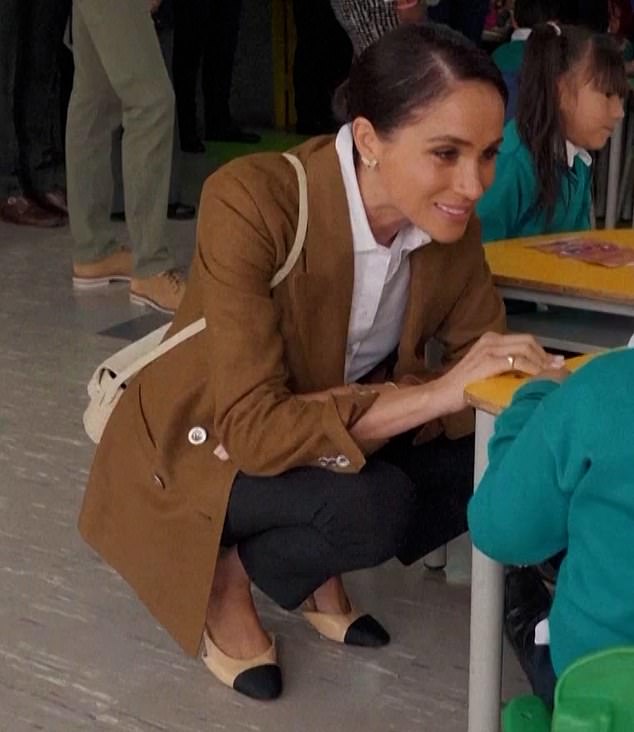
(197, 435)
(342, 461)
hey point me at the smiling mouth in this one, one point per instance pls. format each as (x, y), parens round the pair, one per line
(456, 212)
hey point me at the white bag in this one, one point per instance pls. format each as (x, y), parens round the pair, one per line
(112, 376)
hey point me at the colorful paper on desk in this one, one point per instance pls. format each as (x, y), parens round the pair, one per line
(592, 251)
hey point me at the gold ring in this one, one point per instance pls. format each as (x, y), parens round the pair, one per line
(511, 360)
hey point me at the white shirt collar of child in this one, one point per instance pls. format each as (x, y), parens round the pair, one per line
(521, 34)
(572, 151)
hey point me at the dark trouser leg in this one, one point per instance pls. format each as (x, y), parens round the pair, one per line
(442, 471)
(221, 39)
(537, 665)
(190, 24)
(322, 61)
(10, 38)
(296, 530)
(37, 94)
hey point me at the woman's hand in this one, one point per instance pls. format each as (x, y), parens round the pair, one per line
(494, 354)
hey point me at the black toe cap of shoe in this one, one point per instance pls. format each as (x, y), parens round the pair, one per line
(261, 682)
(366, 631)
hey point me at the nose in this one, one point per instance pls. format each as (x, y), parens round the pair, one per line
(468, 181)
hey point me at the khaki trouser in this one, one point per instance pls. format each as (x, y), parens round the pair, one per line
(120, 78)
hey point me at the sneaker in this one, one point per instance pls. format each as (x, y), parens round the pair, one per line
(163, 291)
(116, 267)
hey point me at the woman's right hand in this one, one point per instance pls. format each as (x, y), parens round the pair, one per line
(491, 355)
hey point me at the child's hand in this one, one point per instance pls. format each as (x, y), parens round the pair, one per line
(558, 375)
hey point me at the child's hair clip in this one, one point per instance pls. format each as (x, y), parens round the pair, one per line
(554, 26)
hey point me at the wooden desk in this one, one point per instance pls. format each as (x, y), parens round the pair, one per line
(489, 398)
(590, 307)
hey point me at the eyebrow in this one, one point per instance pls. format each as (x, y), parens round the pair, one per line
(459, 141)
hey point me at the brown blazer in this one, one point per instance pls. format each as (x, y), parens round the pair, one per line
(155, 503)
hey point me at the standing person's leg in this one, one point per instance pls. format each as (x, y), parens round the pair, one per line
(176, 209)
(322, 60)
(15, 206)
(93, 113)
(136, 71)
(10, 34)
(190, 21)
(37, 92)
(221, 40)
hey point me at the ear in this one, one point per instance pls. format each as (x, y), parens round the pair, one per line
(365, 138)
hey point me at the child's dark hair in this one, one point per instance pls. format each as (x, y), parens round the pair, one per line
(528, 13)
(408, 69)
(551, 51)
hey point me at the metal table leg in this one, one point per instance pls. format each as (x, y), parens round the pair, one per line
(487, 605)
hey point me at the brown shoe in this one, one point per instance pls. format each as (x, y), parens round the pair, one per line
(163, 291)
(53, 200)
(26, 212)
(116, 267)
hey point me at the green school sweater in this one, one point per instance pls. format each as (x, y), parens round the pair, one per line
(561, 476)
(508, 210)
(509, 56)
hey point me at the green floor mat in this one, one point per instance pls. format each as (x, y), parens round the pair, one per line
(221, 152)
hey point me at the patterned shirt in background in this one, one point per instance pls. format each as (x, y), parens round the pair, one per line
(365, 20)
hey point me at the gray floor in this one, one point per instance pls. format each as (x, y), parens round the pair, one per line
(77, 651)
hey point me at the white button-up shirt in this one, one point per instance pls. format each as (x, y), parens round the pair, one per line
(381, 277)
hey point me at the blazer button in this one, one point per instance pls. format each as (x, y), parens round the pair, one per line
(197, 435)
(342, 461)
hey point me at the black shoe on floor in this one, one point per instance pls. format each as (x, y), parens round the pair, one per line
(178, 211)
(526, 602)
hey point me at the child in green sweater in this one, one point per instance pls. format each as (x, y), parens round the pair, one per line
(561, 478)
(509, 56)
(572, 87)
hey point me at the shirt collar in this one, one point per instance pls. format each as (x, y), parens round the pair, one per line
(572, 151)
(362, 237)
(521, 34)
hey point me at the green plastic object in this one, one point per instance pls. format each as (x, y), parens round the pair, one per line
(594, 694)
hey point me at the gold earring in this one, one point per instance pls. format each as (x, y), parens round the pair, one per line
(370, 164)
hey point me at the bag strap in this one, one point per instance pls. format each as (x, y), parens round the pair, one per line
(302, 222)
(197, 326)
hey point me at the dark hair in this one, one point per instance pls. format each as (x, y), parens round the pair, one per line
(409, 68)
(551, 51)
(528, 13)
(592, 14)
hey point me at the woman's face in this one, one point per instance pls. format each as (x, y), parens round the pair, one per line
(589, 115)
(432, 171)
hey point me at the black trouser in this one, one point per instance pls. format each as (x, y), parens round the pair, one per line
(31, 32)
(204, 31)
(466, 16)
(537, 665)
(296, 530)
(322, 61)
